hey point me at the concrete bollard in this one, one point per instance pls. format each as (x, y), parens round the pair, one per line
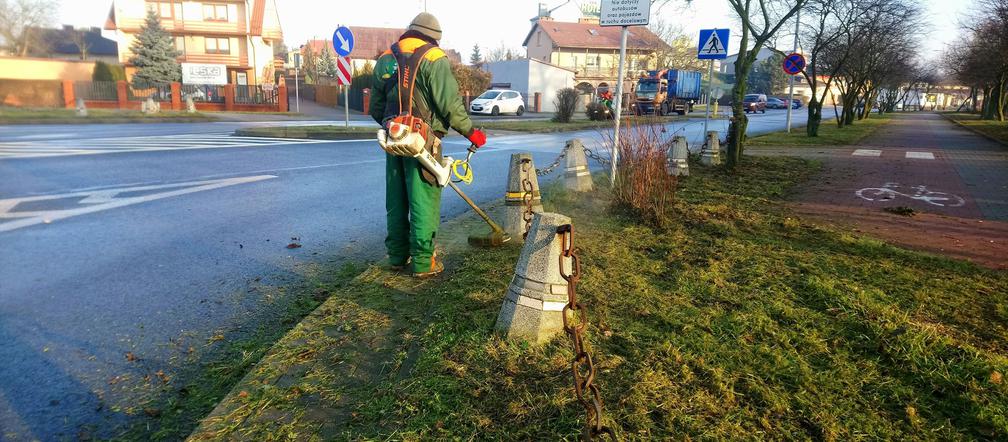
(150, 106)
(514, 204)
(577, 176)
(534, 302)
(190, 105)
(712, 153)
(81, 108)
(677, 157)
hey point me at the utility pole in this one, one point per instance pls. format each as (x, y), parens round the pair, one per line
(790, 103)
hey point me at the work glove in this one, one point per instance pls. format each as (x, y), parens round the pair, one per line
(477, 137)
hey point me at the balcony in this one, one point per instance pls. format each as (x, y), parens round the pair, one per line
(600, 73)
(189, 26)
(229, 60)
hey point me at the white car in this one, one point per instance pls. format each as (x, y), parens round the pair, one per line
(498, 101)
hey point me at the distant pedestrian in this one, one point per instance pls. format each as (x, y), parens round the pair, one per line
(414, 79)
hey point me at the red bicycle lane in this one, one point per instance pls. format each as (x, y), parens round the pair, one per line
(879, 177)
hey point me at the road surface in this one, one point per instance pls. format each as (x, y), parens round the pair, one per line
(125, 245)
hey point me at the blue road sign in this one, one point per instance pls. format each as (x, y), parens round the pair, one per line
(342, 41)
(713, 44)
(794, 63)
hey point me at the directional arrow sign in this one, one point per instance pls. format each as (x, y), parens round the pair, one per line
(342, 41)
(713, 44)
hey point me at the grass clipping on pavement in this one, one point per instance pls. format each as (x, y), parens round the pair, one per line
(737, 318)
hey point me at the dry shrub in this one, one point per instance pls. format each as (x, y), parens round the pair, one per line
(643, 183)
(566, 104)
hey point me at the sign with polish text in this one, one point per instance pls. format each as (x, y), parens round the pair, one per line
(625, 13)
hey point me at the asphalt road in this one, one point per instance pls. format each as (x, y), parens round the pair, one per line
(114, 264)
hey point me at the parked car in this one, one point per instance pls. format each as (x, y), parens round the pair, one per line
(755, 103)
(498, 101)
(775, 103)
(797, 104)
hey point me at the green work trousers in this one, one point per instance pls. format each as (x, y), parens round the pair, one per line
(413, 213)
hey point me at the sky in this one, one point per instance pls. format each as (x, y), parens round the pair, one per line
(493, 23)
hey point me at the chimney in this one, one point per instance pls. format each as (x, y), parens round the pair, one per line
(68, 27)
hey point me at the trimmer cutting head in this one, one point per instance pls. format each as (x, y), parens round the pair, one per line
(492, 239)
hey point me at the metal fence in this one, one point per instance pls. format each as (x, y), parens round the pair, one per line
(96, 90)
(207, 93)
(157, 91)
(256, 95)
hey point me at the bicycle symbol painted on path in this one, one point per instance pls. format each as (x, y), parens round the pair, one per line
(888, 192)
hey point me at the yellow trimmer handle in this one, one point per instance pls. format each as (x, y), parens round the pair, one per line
(465, 177)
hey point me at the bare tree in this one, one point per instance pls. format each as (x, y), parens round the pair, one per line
(501, 53)
(980, 59)
(21, 22)
(681, 52)
(760, 21)
(885, 34)
(80, 40)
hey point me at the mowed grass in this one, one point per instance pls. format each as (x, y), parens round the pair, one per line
(829, 133)
(997, 130)
(738, 321)
(15, 115)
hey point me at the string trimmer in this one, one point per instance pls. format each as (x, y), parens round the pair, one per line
(404, 145)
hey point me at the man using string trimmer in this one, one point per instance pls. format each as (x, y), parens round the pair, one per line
(416, 100)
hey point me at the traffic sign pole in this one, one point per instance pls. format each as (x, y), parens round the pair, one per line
(619, 105)
(790, 103)
(624, 14)
(710, 95)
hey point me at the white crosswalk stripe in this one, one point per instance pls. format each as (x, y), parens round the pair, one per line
(67, 147)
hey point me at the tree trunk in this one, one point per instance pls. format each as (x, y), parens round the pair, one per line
(814, 118)
(737, 129)
(987, 113)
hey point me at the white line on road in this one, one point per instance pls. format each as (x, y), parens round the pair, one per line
(920, 155)
(867, 153)
(105, 200)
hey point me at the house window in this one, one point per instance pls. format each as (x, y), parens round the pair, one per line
(163, 9)
(592, 61)
(214, 12)
(539, 38)
(180, 44)
(218, 45)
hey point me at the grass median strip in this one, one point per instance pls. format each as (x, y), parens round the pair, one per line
(738, 318)
(829, 134)
(12, 115)
(311, 132)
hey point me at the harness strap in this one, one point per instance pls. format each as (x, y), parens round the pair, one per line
(409, 66)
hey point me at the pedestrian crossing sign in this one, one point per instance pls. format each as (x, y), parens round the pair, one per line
(713, 44)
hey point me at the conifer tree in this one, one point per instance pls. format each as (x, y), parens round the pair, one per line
(154, 54)
(327, 63)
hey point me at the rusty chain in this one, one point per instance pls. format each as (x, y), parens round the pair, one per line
(575, 319)
(563, 154)
(527, 196)
(598, 158)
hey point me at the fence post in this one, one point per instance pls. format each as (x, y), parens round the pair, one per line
(229, 97)
(367, 100)
(121, 95)
(176, 96)
(69, 101)
(537, 103)
(282, 105)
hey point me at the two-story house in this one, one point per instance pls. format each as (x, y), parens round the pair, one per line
(239, 34)
(592, 51)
